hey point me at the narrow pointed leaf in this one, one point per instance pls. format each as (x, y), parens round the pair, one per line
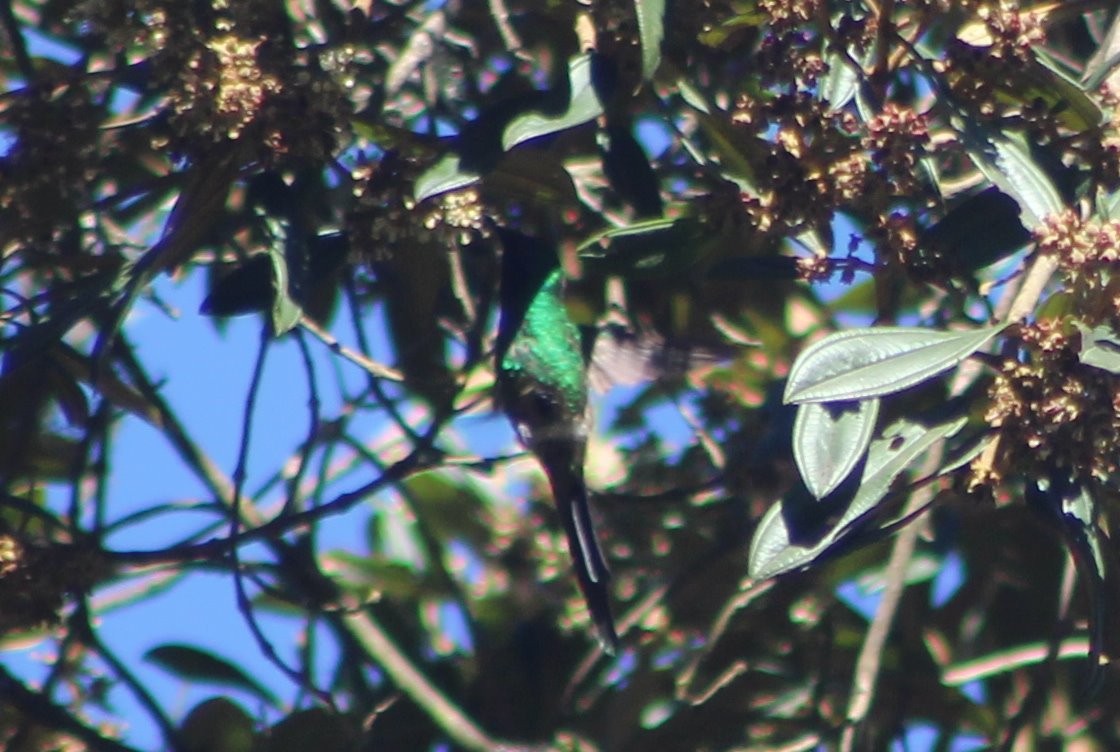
(1064, 96)
(1008, 164)
(863, 363)
(651, 29)
(1105, 60)
(774, 550)
(1080, 515)
(445, 175)
(286, 313)
(583, 106)
(829, 440)
(839, 86)
(189, 662)
(1100, 348)
(900, 444)
(1072, 506)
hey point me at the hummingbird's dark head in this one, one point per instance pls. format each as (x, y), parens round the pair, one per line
(541, 416)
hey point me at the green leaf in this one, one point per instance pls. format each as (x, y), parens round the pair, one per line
(375, 130)
(583, 106)
(842, 82)
(1072, 506)
(1108, 205)
(651, 30)
(448, 505)
(375, 577)
(829, 440)
(737, 151)
(922, 567)
(715, 37)
(863, 363)
(1100, 348)
(1008, 163)
(195, 664)
(1079, 511)
(314, 728)
(1062, 95)
(889, 455)
(655, 248)
(217, 725)
(531, 175)
(777, 547)
(286, 313)
(445, 175)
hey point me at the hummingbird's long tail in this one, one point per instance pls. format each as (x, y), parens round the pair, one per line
(590, 565)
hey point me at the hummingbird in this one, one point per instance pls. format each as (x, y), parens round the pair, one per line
(542, 384)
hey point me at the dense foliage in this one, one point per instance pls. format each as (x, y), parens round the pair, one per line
(850, 268)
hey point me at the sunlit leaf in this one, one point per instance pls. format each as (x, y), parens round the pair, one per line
(583, 106)
(777, 547)
(829, 439)
(651, 29)
(443, 176)
(1008, 163)
(285, 312)
(862, 363)
(839, 87)
(1104, 62)
(1100, 348)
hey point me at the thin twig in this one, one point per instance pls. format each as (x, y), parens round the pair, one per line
(80, 623)
(38, 706)
(1023, 302)
(418, 461)
(314, 406)
(500, 13)
(377, 643)
(871, 652)
(16, 42)
(748, 591)
(370, 366)
(241, 471)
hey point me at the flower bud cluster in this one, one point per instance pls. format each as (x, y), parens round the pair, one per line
(1063, 413)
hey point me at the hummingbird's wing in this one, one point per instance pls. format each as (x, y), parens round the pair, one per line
(622, 355)
(565, 475)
